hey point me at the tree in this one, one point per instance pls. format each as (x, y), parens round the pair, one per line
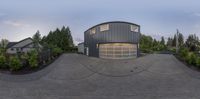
(192, 42)
(3, 45)
(37, 39)
(180, 39)
(60, 38)
(162, 40)
(146, 43)
(170, 42)
(37, 36)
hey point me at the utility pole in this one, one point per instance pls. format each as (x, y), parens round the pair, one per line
(177, 41)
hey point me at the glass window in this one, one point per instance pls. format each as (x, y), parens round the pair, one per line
(93, 31)
(134, 28)
(104, 27)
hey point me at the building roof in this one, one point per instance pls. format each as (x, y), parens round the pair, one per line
(10, 44)
(113, 22)
(80, 43)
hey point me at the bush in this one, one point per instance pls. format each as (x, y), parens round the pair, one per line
(15, 64)
(183, 53)
(33, 59)
(2, 61)
(198, 61)
(192, 58)
(57, 51)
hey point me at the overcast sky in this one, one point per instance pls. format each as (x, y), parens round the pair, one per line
(22, 18)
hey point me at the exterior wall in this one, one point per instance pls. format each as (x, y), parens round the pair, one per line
(81, 48)
(118, 32)
(9, 51)
(25, 50)
(23, 46)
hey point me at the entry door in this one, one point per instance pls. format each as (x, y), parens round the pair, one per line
(117, 50)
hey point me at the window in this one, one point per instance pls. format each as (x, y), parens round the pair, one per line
(97, 45)
(12, 49)
(17, 49)
(104, 27)
(134, 28)
(93, 31)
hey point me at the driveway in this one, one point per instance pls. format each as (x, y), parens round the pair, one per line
(73, 76)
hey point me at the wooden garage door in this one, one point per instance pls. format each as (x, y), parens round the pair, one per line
(117, 50)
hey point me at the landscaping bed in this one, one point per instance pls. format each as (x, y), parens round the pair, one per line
(193, 67)
(25, 63)
(27, 69)
(190, 59)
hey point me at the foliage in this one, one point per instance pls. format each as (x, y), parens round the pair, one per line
(2, 61)
(37, 40)
(198, 61)
(15, 64)
(56, 51)
(3, 43)
(59, 38)
(183, 52)
(33, 59)
(37, 37)
(191, 58)
(192, 42)
(146, 43)
(162, 41)
(172, 41)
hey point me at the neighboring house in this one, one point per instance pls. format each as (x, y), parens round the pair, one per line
(113, 40)
(81, 48)
(22, 46)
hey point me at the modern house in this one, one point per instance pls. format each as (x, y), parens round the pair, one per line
(112, 40)
(22, 46)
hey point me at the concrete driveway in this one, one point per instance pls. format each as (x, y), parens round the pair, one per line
(74, 76)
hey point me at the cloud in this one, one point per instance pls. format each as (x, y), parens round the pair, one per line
(197, 14)
(15, 23)
(79, 40)
(2, 14)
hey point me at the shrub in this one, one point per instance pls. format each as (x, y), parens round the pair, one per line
(15, 64)
(2, 61)
(57, 51)
(198, 61)
(192, 59)
(33, 59)
(24, 58)
(184, 53)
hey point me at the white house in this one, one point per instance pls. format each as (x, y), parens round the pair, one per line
(81, 48)
(22, 46)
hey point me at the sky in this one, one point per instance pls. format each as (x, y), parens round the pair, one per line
(20, 19)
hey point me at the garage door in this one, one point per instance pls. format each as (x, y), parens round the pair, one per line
(117, 50)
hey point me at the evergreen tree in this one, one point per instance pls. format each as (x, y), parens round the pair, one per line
(60, 38)
(37, 39)
(192, 42)
(162, 40)
(169, 42)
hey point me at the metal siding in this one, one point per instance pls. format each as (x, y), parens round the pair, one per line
(118, 32)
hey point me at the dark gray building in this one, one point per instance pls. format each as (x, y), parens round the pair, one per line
(112, 40)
